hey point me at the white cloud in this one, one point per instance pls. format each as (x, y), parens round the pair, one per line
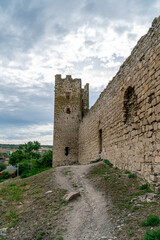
(21, 135)
(39, 39)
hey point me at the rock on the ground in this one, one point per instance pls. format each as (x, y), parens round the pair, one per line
(4, 231)
(48, 192)
(70, 196)
(150, 197)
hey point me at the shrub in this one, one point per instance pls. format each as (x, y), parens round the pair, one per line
(36, 155)
(108, 163)
(44, 161)
(6, 175)
(47, 159)
(144, 186)
(40, 236)
(17, 157)
(37, 163)
(151, 221)
(127, 172)
(152, 235)
(2, 166)
(24, 167)
(131, 175)
(24, 175)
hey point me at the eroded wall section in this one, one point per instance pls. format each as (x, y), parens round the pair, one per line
(124, 124)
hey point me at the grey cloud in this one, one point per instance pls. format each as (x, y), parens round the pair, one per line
(121, 29)
(89, 43)
(34, 105)
(31, 26)
(124, 10)
(116, 58)
(132, 36)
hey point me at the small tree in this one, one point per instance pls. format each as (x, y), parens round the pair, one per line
(47, 159)
(25, 152)
(2, 166)
(17, 157)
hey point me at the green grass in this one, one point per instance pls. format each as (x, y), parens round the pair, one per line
(108, 163)
(124, 191)
(22, 184)
(152, 235)
(67, 172)
(131, 175)
(74, 185)
(99, 170)
(133, 209)
(127, 172)
(33, 172)
(12, 217)
(145, 187)
(151, 221)
(12, 192)
(59, 238)
(41, 234)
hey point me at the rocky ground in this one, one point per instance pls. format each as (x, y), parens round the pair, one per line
(89, 218)
(111, 205)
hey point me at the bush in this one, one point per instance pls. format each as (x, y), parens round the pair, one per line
(127, 172)
(145, 187)
(151, 221)
(131, 175)
(36, 155)
(17, 157)
(44, 162)
(6, 175)
(24, 175)
(152, 235)
(23, 167)
(2, 166)
(47, 159)
(37, 163)
(108, 163)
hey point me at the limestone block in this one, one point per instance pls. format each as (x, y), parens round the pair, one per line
(153, 178)
(157, 159)
(70, 196)
(156, 168)
(149, 134)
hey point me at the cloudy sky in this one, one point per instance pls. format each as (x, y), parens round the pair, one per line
(88, 39)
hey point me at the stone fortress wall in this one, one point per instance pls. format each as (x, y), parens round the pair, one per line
(123, 126)
(124, 123)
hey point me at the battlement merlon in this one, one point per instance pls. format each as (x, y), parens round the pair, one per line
(68, 78)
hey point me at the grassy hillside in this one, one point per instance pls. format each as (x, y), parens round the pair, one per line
(130, 205)
(29, 211)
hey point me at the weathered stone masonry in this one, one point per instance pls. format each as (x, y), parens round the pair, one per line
(71, 104)
(124, 124)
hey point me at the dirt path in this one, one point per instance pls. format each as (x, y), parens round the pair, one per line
(88, 218)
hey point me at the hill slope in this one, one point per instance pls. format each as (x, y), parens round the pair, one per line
(111, 205)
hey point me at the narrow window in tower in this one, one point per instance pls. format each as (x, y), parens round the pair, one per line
(68, 95)
(66, 151)
(68, 110)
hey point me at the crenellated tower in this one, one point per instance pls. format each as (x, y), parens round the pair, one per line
(70, 106)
